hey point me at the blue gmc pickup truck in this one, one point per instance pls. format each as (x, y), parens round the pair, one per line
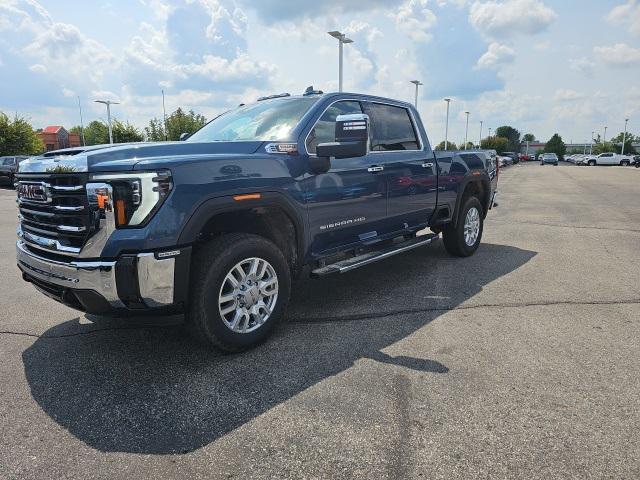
(216, 226)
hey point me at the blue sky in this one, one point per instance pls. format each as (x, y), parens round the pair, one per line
(543, 66)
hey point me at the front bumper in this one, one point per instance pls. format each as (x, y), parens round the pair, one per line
(130, 284)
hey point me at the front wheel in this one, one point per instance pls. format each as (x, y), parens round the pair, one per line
(592, 163)
(625, 163)
(240, 289)
(463, 239)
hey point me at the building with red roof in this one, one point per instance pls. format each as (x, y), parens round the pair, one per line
(56, 137)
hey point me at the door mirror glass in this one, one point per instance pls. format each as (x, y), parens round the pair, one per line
(351, 138)
(184, 136)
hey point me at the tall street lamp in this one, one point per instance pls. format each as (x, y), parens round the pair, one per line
(604, 139)
(164, 114)
(81, 122)
(593, 134)
(446, 130)
(489, 133)
(417, 83)
(108, 103)
(480, 141)
(624, 137)
(342, 39)
(466, 131)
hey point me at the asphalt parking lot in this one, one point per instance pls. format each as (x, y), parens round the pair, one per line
(520, 362)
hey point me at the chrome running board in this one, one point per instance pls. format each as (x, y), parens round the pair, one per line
(352, 263)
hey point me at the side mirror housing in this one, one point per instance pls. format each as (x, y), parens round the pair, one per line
(184, 136)
(352, 138)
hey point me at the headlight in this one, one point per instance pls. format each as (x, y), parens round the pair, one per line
(136, 196)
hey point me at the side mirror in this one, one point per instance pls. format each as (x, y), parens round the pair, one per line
(184, 136)
(352, 138)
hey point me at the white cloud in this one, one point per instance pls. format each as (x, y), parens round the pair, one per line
(567, 95)
(582, 65)
(38, 67)
(496, 55)
(414, 19)
(511, 17)
(618, 55)
(627, 14)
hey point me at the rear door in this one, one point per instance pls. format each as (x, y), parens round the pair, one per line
(606, 159)
(348, 204)
(410, 167)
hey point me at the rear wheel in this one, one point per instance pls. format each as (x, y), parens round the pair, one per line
(463, 239)
(240, 289)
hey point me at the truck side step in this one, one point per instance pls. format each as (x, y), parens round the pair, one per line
(349, 264)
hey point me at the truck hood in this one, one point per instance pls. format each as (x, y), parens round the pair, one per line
(126, 157)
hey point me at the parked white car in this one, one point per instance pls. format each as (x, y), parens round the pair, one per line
(609, 159)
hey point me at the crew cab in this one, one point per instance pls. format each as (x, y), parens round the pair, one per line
(608, 158)
(217, 226)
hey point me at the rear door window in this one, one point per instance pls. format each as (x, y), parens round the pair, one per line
(9, 161)
(324, 130)
(392, 128)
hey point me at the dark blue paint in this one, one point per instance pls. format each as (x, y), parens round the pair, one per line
(360, 205)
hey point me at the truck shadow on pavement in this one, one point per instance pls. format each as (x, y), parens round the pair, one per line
(126, 386)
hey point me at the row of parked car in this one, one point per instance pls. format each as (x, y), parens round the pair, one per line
(604, 159)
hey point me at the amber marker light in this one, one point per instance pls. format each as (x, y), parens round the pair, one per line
(247, 196)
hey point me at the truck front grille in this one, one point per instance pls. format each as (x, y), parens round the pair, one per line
(54, 212)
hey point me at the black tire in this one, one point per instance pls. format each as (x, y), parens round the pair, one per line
(624, 163)
(592, 163)
(453, 236)
(210, 265)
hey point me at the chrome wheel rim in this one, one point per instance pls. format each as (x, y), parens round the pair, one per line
(248, 295)
(471, 226)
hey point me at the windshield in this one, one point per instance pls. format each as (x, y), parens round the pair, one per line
(263, 121)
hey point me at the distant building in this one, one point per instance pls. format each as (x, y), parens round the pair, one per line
(56, 137)
(534, 147)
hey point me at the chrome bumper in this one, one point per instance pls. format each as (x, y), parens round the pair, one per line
(155, 276)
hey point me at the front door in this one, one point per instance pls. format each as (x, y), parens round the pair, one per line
(348, 204)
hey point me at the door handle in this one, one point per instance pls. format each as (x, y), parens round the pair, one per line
(375, 169)
(427, 165)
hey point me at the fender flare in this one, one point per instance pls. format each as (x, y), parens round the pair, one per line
(477, 176)
(217, 205)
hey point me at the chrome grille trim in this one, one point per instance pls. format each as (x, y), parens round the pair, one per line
(62, 223)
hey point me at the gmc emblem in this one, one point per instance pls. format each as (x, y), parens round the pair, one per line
(35, 192)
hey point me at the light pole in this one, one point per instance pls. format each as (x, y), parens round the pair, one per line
(480, 141)
(466, 131)
(108, 103)
(624, 136)
(81, 123)
(489, 133)
(446, 129)
(604, 139)
(164, 113)
(342, 39)
(591, 146)
(417, 83)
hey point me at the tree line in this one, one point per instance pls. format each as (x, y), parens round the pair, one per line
(509, 139)
(179, 122)
(17, 136)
